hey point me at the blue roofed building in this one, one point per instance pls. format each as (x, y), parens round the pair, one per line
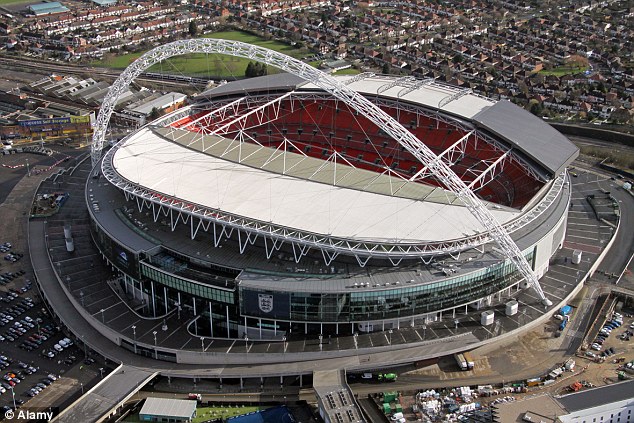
(279, 414)
(48, 8)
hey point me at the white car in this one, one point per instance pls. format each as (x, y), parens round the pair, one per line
(58, 348)
(596, 347)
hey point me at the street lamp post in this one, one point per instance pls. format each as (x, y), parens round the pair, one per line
(68, 282)
(321, 337)
(101, 372)
(202, 344)
(390, 339)
(155, 347)
(424, 331)
(246, 343)
(28, 173)
(134, 335)
(103, 320)
(13, 395)
(284, 341)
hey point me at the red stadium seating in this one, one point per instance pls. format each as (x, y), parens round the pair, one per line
(318, 128)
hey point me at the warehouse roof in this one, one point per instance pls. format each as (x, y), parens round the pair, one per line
(48, 8)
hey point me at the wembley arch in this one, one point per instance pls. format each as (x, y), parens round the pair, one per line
(353, 99)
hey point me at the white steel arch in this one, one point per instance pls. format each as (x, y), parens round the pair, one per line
(355, 100)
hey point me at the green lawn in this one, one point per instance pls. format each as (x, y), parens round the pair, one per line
(207, 413)
(349, 71)
(218, 65)
(9, 2)
(564, 70)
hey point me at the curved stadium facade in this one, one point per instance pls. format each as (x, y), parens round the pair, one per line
(269, 208)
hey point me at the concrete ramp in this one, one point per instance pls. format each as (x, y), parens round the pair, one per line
(107, 396)
(335, 399)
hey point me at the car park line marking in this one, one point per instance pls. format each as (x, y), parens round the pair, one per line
(574, 269)
(178, 329)
(185, 344)
(575, 222)
(594, 232)
(449, 329)
(583, 247)
(582, 237)
(559, 280)
(583, 224)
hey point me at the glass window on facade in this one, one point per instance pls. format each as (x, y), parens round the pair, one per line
(187, 286)
(399, 302)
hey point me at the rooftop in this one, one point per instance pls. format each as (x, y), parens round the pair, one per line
(183, 409)
(48, 8)
(159, 103)
(152, 161)
(623, 391)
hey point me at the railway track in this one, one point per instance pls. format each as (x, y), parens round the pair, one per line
(46, 68)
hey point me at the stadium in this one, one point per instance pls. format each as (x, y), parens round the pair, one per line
(270, 208)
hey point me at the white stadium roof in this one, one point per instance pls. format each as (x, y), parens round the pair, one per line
(152, 161)
(434, 95)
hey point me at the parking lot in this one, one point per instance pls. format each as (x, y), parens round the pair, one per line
(13, 166)
(28, 335)
(33, 351)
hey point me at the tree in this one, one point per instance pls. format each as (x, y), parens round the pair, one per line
(535, 107)
(250, 70)
(255, 69)
(193, 28)
(386, 68)
(154, 114)
(578, 62)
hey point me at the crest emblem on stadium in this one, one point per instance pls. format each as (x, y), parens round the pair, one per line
(265, 302)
